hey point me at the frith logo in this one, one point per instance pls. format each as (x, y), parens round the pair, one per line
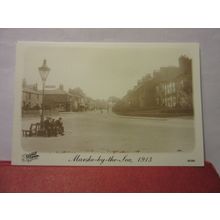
(30, 156)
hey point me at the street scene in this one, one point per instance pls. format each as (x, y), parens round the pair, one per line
(108, 132)
(103, 99)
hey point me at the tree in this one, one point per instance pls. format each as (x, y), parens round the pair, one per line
(77, 91)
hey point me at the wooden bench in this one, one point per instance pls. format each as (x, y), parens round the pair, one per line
(33, 130)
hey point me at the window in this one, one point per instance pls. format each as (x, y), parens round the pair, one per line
(169, 88)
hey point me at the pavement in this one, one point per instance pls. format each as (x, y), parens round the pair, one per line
(108, 132)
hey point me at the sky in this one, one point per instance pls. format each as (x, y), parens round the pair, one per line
(100, 70)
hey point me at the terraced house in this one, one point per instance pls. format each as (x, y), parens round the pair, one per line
(54, 99)
(174, 86)
(168, 89)
(62, 101)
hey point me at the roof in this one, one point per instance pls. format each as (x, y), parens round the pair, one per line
(28, 90)
(55, 92)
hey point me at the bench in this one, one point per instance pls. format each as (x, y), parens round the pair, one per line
(33, 130)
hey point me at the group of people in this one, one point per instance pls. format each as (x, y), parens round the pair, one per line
(53, 127)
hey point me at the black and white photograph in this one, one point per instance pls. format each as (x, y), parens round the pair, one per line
(108, 104)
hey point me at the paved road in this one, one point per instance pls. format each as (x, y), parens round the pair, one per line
(108, 132)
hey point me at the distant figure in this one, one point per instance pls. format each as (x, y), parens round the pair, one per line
(47, 127)
(53, 127)
(59, 125)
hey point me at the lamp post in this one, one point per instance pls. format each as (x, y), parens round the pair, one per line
(44, 72)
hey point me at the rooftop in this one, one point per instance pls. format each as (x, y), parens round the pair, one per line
(29, 90)
(54, 92)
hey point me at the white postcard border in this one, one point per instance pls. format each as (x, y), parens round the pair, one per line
(194, 158)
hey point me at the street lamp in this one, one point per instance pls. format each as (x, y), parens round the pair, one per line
(44, 72)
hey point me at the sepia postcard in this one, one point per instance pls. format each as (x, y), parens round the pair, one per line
(107, 104)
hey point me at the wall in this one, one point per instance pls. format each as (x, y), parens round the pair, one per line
(209, 40)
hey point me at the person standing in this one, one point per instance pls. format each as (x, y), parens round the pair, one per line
(60, 126)
(47, 127)
(53, 127)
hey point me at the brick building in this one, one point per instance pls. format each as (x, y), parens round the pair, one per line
(174, 86)
(62, 101)
(169, 88)
(143, 94)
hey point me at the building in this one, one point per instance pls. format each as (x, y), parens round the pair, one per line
(174, 86)
(141, 97)
(31, 97)
(143, 94)
(79, 100)
(62, 101)
(168, 89)
(56, 99)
